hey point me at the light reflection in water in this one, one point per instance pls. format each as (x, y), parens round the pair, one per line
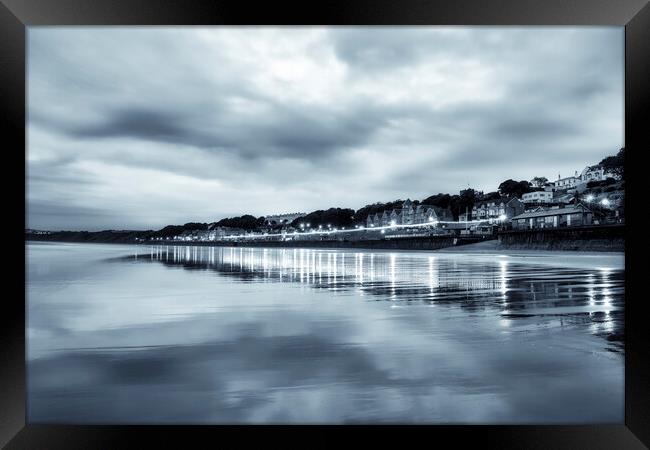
(516, 290)
(503, 278)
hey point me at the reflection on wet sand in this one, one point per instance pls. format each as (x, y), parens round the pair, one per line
(165, 334)
(515, 290)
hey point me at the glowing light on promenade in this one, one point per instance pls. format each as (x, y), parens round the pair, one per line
(329, 231)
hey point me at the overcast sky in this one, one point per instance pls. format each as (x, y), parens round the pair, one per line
(137, 128)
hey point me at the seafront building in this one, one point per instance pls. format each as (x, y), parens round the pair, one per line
(554, 217)
(495, 209)
(211, 234)
(409, 214)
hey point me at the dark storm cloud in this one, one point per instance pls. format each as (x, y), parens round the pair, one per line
(219, 116)
(134, 123)
(310, 134)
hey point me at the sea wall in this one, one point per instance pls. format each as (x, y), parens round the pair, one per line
(416, 243)
(593, 238)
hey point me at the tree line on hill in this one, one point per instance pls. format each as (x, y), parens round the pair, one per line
(246, 222)
(334, 217)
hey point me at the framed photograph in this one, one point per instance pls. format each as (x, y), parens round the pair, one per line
(327, 219)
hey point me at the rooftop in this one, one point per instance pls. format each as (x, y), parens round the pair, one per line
(552, 212)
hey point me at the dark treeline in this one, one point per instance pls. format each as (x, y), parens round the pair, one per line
(334, 217)
(246, 222)
(174, 230)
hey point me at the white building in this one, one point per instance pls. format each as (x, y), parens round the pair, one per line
(589, 173)
(537, 197)
(596, 173)
(567, 182)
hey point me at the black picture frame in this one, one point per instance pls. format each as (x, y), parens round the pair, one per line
(16, 15)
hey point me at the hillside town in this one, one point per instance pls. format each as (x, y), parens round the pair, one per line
(590, 197)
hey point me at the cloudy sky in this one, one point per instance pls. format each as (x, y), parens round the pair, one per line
(137, 128)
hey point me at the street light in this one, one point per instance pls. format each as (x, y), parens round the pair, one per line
(590, 198)
(604, 202)
(502, 217)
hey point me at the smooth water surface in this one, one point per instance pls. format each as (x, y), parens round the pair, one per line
(164, 334)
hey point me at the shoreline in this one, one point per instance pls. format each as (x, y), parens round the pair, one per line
(488, 250)
(490, 246)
